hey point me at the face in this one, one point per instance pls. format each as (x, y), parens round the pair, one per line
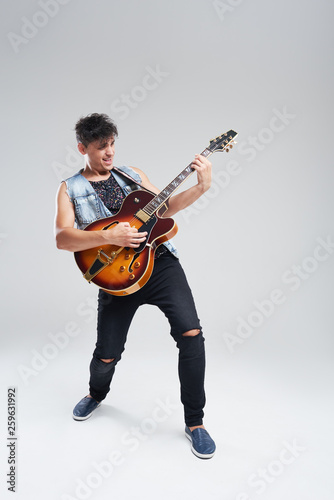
(100, 154)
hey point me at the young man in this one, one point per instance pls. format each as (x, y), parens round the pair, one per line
(97, 192)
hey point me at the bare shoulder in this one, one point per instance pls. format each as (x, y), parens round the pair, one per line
(62, 195)
(140, 172)
(65, 214)
(145, 180)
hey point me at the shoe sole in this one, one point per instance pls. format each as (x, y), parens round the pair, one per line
(85, 418)
(199, 455)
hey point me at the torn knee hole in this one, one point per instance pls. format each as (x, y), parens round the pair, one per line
(108, 360)
(191, 333)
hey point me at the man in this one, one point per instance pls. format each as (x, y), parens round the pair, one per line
(98, 191)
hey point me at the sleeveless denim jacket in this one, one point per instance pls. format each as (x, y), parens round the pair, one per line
(88, 205)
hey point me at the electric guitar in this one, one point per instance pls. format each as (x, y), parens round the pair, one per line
(124, 270)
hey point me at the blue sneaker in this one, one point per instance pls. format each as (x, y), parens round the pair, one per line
(203, 446)
(85, 408)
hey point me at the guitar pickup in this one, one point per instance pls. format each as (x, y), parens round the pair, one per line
(143, 216)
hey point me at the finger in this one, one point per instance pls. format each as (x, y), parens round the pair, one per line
(134, 229)
(138, 234)
(199, 167)
(200, 161)
(138, 238)
(137, 243)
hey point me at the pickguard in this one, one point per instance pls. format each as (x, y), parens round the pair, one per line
(147, 226)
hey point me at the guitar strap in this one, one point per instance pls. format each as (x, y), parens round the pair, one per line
(141, 187)
(131, 179)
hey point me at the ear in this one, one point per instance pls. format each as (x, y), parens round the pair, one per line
(81, 148)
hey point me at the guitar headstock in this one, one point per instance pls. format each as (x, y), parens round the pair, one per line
(223, 142)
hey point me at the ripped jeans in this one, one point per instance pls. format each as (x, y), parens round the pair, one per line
(167, 289)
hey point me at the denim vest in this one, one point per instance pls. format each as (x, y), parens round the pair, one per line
(88, 205)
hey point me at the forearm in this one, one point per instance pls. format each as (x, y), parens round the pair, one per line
(75, 240)
(183, 200)
(120, 235)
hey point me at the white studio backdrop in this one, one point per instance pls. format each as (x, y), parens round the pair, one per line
(258, 248)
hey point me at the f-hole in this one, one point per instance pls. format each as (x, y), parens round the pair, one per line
(109, 225)
(136, 255)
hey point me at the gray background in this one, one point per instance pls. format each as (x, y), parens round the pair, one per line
(228, 64)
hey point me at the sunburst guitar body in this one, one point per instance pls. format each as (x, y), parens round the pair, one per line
(122, 271)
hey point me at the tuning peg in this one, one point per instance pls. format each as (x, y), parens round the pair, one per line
(231, 146)
(227, 150)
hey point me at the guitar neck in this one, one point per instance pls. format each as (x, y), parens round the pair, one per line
(157, 202)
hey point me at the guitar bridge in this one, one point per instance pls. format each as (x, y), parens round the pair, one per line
(99, 264)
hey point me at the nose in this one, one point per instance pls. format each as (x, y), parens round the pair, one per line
(110, 150)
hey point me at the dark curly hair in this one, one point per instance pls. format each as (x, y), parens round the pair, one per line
(94, 127)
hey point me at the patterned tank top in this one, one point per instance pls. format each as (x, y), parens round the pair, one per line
(110, 193)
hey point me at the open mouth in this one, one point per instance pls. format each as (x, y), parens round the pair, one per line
(108, 161)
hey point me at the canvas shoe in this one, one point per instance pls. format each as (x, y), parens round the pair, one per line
(203, 445)
(85, 408)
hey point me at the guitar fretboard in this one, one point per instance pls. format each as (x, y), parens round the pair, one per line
(157, 202)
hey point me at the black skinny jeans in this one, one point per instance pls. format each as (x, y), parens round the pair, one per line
(169, 290)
